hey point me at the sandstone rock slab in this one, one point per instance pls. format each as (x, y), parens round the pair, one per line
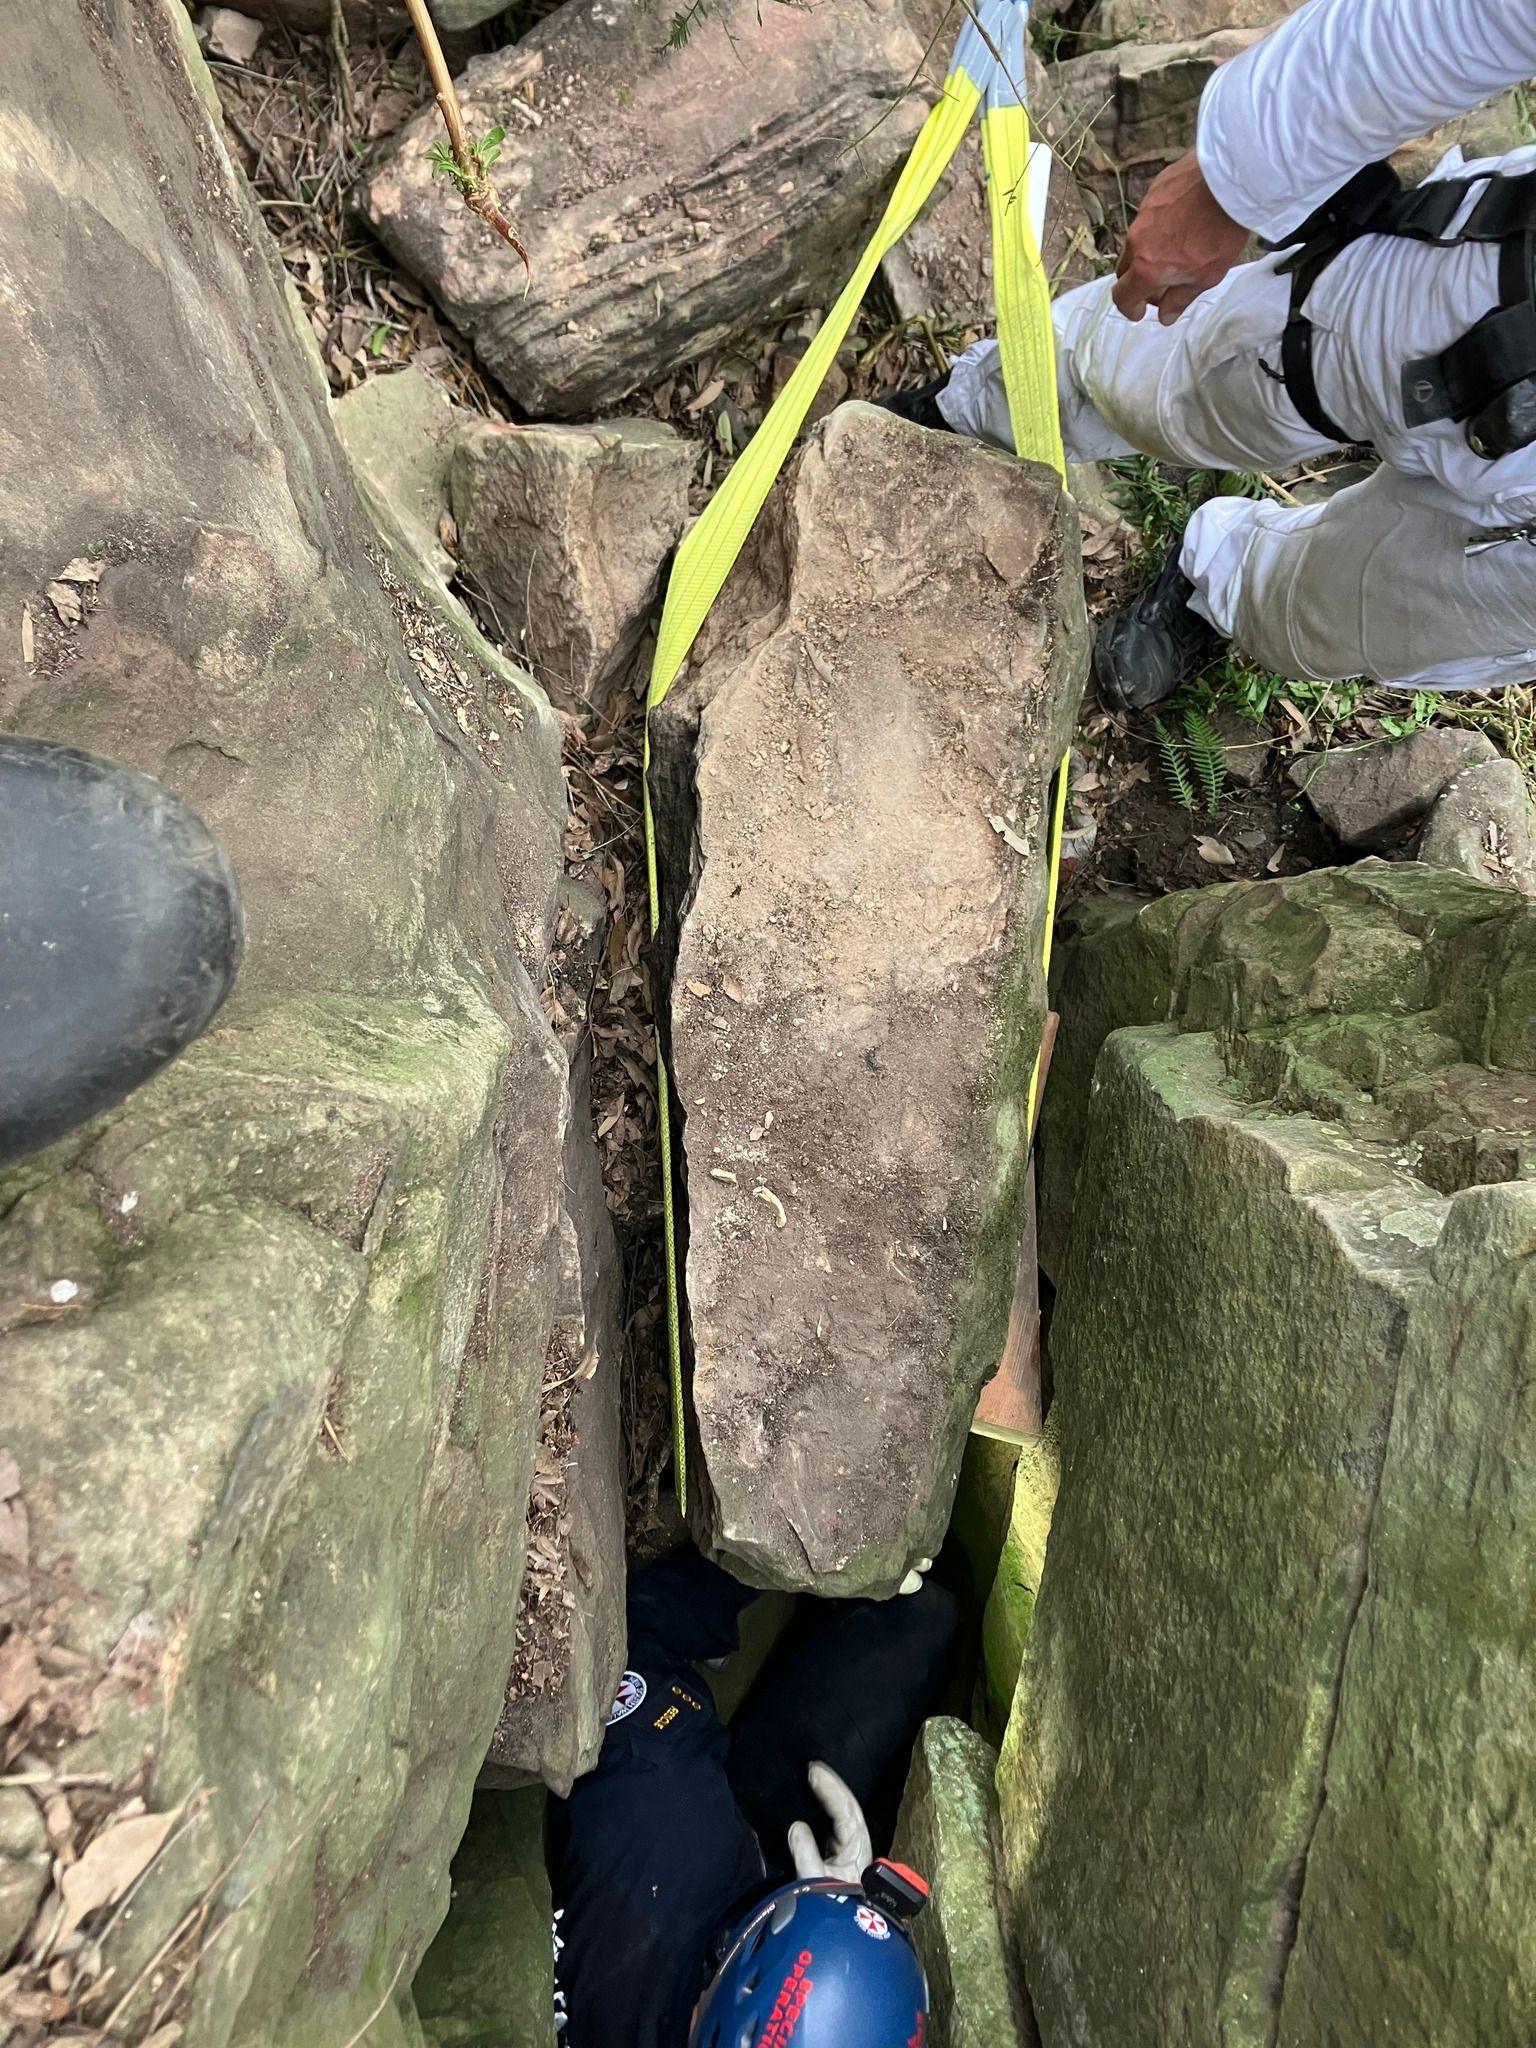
(1010, 1607)
(849, 782)
(948, 1832)
(1481, 825)
(551, 1727)
(1287, 1326)
(365, 20)
(565, 531)
(399, 433)
(1369, 795)
(668, 199)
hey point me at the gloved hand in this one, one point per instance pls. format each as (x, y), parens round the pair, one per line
(851, 1852)
(913, 1582)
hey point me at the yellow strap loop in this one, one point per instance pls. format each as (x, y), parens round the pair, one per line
(706, 556)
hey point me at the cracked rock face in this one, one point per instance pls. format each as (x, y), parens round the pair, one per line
(668, 198)
(1279, 1657)
(850, 780)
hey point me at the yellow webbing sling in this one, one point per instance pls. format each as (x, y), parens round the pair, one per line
(987, 71)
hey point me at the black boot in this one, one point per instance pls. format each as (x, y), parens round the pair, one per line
(919, 406)
(120, 934)
(1142, 654)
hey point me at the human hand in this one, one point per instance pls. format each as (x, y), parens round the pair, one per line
(851, 1852)
(1180, 244)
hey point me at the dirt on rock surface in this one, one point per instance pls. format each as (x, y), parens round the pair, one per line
(851, 785)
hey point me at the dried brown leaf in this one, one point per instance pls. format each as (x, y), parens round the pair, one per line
(20, 1675)
(1215, 853)
(119, 1855)
(68, 605)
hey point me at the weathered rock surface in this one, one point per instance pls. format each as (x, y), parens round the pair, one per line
(668, 198)
(274, 1454)
(366, 19)
(488, 1979)
(1010, 1607)
(1278, 1658)
(399, 433)
(1481, 824)
(551, 1725)
(1369, 795)
(565, 531)
(1134, 108)
(1136, 105)
(24, 1865)
(894, 665)
(941, 270)
(225, 33)
(948, 1831)
(1176, 21)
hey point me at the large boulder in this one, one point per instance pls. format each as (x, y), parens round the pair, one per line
(1267, 1775)
(668, 198)
(274, 1329)
(364, 20)
(850, 781)
(1129, 110)
(948, 1832)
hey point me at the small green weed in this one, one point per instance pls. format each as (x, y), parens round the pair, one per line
(1425, 704)
(484, 152)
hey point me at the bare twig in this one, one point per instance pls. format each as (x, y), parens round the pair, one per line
(470, 173)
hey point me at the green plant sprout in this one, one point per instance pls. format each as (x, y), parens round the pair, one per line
(482, 155)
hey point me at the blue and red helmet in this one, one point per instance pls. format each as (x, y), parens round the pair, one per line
(821, 1963)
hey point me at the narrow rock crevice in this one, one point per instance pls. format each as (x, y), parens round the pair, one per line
(1288, 1907)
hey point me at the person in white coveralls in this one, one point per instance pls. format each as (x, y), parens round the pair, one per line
(1402, 320)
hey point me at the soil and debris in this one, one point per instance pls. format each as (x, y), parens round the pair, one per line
(83, 1841)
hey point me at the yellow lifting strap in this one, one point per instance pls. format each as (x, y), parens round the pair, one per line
(987, 71)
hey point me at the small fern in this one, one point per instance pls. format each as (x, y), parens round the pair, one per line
(1175, 768)
(1207, 756)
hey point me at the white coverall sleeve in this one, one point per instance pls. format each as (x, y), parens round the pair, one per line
(1343, 83)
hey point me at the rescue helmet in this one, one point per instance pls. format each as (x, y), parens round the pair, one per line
(820, 1963)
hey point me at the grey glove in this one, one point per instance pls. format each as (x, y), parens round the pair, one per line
(850, 1852)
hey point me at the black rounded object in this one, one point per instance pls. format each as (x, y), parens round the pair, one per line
(120, 934)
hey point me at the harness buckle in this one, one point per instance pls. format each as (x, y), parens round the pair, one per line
(1484, 544)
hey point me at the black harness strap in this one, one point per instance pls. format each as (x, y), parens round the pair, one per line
(1481, 378)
